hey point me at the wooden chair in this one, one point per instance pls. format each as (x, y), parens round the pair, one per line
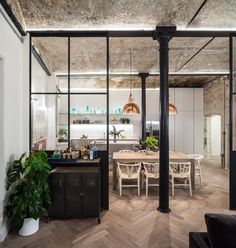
(151, 171)
(182, 172)
(198, 170)
(129, 172)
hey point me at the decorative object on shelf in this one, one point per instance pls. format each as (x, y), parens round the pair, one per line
(84, 141)
(172, 109)
(62, 133)
(125, 120)
(114, 120)
(30, 199)
(151, 143)
(115, 133)
(85, 121)
(74, 110)
(131, 107)
(56, 154)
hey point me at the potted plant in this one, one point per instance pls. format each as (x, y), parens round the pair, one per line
(151, 143)
(62, 133)
(30, 198)
(116, 133)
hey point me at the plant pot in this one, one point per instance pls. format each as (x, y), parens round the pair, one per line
(30, 226)
(149, 151)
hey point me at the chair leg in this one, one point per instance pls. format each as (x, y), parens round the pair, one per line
(200, 174)
(190, 187)
(142, 180)
(120, 187)
(146, 186)
(138, 186)
(185, 183)
(173, 186)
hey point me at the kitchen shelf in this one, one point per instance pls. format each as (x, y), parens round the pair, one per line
(102, 124)
(100, 114)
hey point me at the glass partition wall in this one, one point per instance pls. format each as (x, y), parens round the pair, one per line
(69, 92)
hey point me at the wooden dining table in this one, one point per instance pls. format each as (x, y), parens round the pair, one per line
(154, 157)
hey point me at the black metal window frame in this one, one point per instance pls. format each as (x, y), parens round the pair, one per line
(138, 34)
(68, 93)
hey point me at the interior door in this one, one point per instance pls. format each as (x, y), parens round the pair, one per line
(232, 121)
(73, 195)
(56, 210)
(90, 195)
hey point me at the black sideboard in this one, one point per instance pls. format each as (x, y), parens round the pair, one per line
(76, 191)
(104, 171)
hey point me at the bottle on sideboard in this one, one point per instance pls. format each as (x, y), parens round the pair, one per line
(91, 154)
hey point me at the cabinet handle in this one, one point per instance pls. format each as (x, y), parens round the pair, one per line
(60, 183)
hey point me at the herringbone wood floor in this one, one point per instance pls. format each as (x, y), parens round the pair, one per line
(134, 221)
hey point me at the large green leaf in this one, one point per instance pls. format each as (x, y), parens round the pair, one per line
(31, 197)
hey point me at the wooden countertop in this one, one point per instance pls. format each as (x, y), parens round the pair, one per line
(74, 170)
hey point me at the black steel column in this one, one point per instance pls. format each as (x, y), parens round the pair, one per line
(163, 35)
(143, 77)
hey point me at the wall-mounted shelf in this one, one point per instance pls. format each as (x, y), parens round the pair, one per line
(99, 114)
(102, 124)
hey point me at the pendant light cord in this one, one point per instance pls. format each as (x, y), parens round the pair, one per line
(130, 64)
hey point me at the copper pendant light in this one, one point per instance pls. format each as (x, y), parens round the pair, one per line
(131, 107)
(172, 109)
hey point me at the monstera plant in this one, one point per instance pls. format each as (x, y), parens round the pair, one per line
(27, 177)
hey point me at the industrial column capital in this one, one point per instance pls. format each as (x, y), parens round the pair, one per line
(143, 76)
(163, 34)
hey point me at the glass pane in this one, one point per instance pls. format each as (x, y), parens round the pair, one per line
(49, 122)
(234, 96)
(49, 63)
(88, 66)
(88, 120)
(234, 65)
(129, 124)
(143, 52)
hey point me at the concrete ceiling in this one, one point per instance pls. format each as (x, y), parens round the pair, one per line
(123, 14)
(78, 83)
(89, 54)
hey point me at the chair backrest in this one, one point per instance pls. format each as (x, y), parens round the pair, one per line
(141, 151)
(126, 151)
(151, 168)
(129, 169)
(198, 157)
(180, 168)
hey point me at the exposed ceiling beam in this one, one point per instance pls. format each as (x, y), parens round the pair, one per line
(40, 61)
(211, 80)
(129, 33)
(195, 54)
(199, 9)
(13, 18)
(192, 74)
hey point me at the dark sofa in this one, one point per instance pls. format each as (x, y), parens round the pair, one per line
(198, 240)
(221, 232)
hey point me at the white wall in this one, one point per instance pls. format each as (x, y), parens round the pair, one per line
(14, 104)
(186, 127)
(215, 135)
